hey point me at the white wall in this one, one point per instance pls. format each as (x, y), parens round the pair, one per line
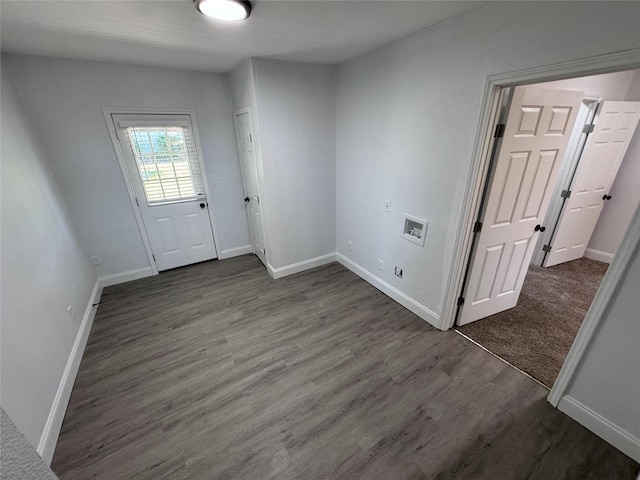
(65, 98)
(625, 193)
(43, 269)
(243, 91)
(296, 116)
(610, 86)
(407, 115)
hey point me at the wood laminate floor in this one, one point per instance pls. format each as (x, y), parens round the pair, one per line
(215, 371)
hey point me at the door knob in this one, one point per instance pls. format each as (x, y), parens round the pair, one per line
(246, 199)
(202, 205)
(539, 228)
(606, 197)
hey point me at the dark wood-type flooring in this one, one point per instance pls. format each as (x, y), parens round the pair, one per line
(215, 371)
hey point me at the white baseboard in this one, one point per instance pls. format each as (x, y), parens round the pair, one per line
(300, 266)
(235, 252)
(598, 255)
(409, 303)
(122, 277)
(49, 437)
(271, 271)
(613, 434)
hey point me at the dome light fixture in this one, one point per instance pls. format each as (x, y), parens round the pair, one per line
(225, 10)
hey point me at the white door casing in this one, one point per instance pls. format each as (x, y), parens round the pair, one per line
(250, 178)
(599, 163)
(179, 229)
(536, 135)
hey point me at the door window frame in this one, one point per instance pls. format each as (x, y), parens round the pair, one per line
(108, 113)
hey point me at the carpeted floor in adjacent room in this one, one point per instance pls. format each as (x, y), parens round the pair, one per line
(537, 334)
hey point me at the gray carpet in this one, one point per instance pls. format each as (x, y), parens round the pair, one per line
(537, 334)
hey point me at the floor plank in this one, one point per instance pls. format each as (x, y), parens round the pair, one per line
(216, 371)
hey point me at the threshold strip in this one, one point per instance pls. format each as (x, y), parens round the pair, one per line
(502, 359)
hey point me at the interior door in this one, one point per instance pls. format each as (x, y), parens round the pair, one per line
(596, 171)
(164, 169)
(249, 167)
(536, 135)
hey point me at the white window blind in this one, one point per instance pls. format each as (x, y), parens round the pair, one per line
(167, 161)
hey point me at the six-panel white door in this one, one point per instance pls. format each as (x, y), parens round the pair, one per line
(596, 171)
(249, 167)
(161, 159)
(536, 135)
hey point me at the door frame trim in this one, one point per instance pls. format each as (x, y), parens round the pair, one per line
(108, 112)
(250, 110)
(613, 62)
(604, 297)
(246, 111)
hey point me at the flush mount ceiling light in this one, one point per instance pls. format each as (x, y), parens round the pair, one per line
(226, 10)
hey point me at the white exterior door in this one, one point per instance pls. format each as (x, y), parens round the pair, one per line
(162, 162)
(596, 171)
(249, 167)
(536, 135)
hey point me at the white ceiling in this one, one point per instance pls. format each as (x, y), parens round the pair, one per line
(170, 33)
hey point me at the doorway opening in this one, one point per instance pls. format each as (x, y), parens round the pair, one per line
(251, 180)
(560, 193)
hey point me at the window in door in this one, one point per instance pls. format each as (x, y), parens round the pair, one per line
(166, 161)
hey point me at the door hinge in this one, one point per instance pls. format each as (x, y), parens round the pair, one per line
(565, 193)
(136, 199)
(154, 257)
(588, 128)
(460, 301)
(477, 227)
(499, 133)
(546, 248)
(257, 199)
(250, 139)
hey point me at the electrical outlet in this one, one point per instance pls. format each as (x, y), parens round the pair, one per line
(398, 271)
(350, 245)
(380, 264)
(71, 313)
(387, 206)
(216, 179)
(96, 261)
